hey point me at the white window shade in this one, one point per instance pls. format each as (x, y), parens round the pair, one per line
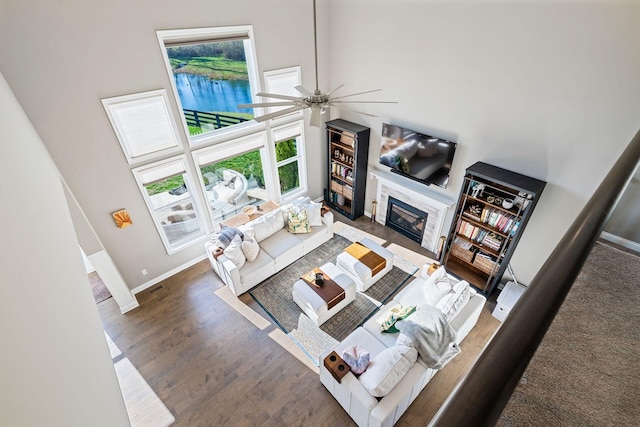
(215, 153)
(143, 124)
(160, 171)
(283, 82)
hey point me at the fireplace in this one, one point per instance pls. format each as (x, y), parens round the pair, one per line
(417, 196)
(406, 219)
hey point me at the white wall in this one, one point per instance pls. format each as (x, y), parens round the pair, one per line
(549, 89)
(89, 49)
(56, 368)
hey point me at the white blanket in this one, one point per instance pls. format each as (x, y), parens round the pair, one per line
(429, 332)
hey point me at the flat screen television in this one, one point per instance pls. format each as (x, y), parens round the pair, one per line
(423, 158)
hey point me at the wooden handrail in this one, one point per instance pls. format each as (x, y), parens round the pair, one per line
(480, 398)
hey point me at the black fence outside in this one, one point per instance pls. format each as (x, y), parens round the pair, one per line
(217, 120)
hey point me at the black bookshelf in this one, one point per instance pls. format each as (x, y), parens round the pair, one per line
(348, 149)
(493, 209)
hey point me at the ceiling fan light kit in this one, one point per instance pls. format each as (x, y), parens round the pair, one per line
(317, 101)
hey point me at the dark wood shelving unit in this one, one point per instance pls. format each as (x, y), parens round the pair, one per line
(348, 147)
(484, 233)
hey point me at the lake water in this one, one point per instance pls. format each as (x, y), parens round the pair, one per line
(203, 94)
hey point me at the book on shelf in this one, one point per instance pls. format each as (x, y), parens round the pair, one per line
(347, 138)
(497, 219)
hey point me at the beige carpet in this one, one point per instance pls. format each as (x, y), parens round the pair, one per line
(586, 371)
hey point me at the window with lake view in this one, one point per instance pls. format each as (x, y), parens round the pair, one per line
(212, 72)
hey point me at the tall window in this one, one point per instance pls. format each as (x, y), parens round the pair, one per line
(212, 71)
(233, 175)
(289, 151)
(168, 192)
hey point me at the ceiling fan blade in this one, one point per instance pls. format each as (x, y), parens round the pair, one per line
(335, 89)
(277, 96)
(268, 104)
(278, 113)
(314, 120)
(304, 91)
(359, 93)
(363, 102)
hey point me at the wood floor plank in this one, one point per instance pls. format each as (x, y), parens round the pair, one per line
(210, 365)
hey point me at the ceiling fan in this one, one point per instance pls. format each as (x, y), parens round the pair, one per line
(317, 101)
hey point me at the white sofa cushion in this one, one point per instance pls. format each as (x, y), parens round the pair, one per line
(387, 369)
(283, 247)
(258, 270)
(267, 225)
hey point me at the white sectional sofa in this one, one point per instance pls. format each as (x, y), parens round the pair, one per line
(278, 248)
(462, 309)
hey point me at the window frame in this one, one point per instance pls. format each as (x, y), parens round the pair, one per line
(211, 34)
(282, 133)
(117, 104)
(203, 229)
(232, 148)
(272, 79)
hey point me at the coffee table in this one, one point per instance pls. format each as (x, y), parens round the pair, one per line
(319, 306)
(366, 264)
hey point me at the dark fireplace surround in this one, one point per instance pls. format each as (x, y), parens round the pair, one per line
(406, 219)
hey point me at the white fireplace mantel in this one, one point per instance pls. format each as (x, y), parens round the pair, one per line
(418, 195)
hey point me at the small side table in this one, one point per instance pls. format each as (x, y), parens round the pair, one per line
(433, 267)
(509, 296)
(336, 366)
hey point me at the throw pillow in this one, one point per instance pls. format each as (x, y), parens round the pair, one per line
(436, 286)
(395, 314)
(223, 238)
(452, 302)
(444, 284)
(298, 222)
(357, 358)
(387, 369)
(314, 213)
(234, 252)
(250, 248)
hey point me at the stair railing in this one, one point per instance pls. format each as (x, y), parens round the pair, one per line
(481, 397)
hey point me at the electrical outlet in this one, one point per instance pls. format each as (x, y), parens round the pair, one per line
(143, 271)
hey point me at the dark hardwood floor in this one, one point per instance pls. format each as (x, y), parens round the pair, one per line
(213, 364)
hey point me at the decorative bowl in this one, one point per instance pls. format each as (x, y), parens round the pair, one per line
(249, 210)
(507, 203)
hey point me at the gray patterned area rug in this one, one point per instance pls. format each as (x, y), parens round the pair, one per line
(274, 295)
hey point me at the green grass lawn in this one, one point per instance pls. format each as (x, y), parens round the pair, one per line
(214, 67)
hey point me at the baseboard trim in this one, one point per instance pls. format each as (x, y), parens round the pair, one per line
(629, 244)
(150, 283)
(129, 307)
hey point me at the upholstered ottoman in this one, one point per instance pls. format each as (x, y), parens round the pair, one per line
(364, 272)
(313, 305)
